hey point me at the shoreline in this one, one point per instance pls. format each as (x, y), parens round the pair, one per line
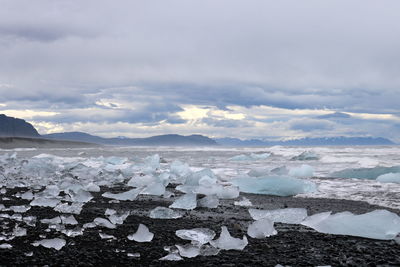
(294, 245)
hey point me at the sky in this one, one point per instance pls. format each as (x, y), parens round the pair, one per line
(247, 69)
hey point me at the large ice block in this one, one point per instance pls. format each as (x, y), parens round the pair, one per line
(289, 215)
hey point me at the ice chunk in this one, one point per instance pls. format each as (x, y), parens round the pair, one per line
(180, 169)
(55, 220)
(118, 218)
(51, 191)
(5, 246)
(288, 215)
(207, 250)
(133, 255)
(69, 220)
(261, 228)
(77, 231)
(104, 223)
(188, 250)
(275, 185)
(156, 189)
(186, 202)
(28, 195)
(282, 170)
(20, 209)
(302, 171)
(81, 195)
(171, 257)
(164, 213)
(306, 155)
(198, 236)
(210, 201)
(129, 195)
(365, 173)
(389, 178)
(245, 202)
(142, 234)
(91, 187)
(106, 236)
(56, 243)
(45, 202)
(377, 224)
(258, 172)
(227, 242)
(19, 231)
(142, 180)
(74, 208)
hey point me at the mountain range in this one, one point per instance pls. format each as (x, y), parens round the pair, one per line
(14, 127)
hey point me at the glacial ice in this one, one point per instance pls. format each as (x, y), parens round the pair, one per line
(81, 196)
(19, 231)
(188, 250)
(245, 202)
(258, 172)
(56, 243)
(227, 242)
(20, 209)
(77, 231)
(119, 217)
(302, 171)
(377, 224)
(74, 208)
(164, 213)
(92, 187)
(198, 236)
(252, 156)
(210, 201)
(261, 228)
(179, 168)
(389, 178)
(44, 202)
(55, 220)
(5, 246)
(186, 202)
(274, 185)
(365, 173)
(106, 236)
(142, 234)
(288, 215)
(306, 155)
(129, 195)
(208, 250)
(28, 195)
(156, 189)
(104, 223)
(171, 257)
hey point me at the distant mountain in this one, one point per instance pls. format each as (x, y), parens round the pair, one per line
(13, 127)
(27, 142)
(160, 140)
(325, 141)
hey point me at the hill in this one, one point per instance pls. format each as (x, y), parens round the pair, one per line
(13, 127)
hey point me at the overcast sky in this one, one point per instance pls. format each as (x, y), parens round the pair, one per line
(247, 69)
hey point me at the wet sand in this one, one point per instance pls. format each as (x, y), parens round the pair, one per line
(294, 245)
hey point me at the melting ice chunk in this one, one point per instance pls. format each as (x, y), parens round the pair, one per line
(142, 234)
(210, 201)
(171, 257)
(302, 171)
(306, 155)
(104, 223)
(81, 195)
(56, 243)
(197, 235)
(261, 228)
(129, 195)
(188, 250)
(164, 213)
(45, 202)
(377, 224)
(289, 215)
(227, 242)
(245, 202)
(186, 202)
(389, 178)
(275, 185)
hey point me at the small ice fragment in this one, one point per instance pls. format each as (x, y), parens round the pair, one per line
(188, 250)
(302, 171)
(164, 213)
(55, 220)
(19, 231)
(129, 195)
(106, 236)
(245, 202)
(74, 208)
(77, 231)
(89, 225)
(69, 220)
(171, 257)
(186, 202)
(5, 246)
(45, 202)
(118, 218)
(56, 243)
(92, 187)
(288, 215)
(29, 220)
(28, 254)
(133, 255)
(261, 229)
(142, 234)
(389, 178)
(104, 223)
(82, 196)
(20, 209)
(109, 212)
(210, 201)
(227, 242)
(28, 195)
(197, 235)
(207, 250)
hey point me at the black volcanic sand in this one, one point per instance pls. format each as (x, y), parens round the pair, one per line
(294, 245)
